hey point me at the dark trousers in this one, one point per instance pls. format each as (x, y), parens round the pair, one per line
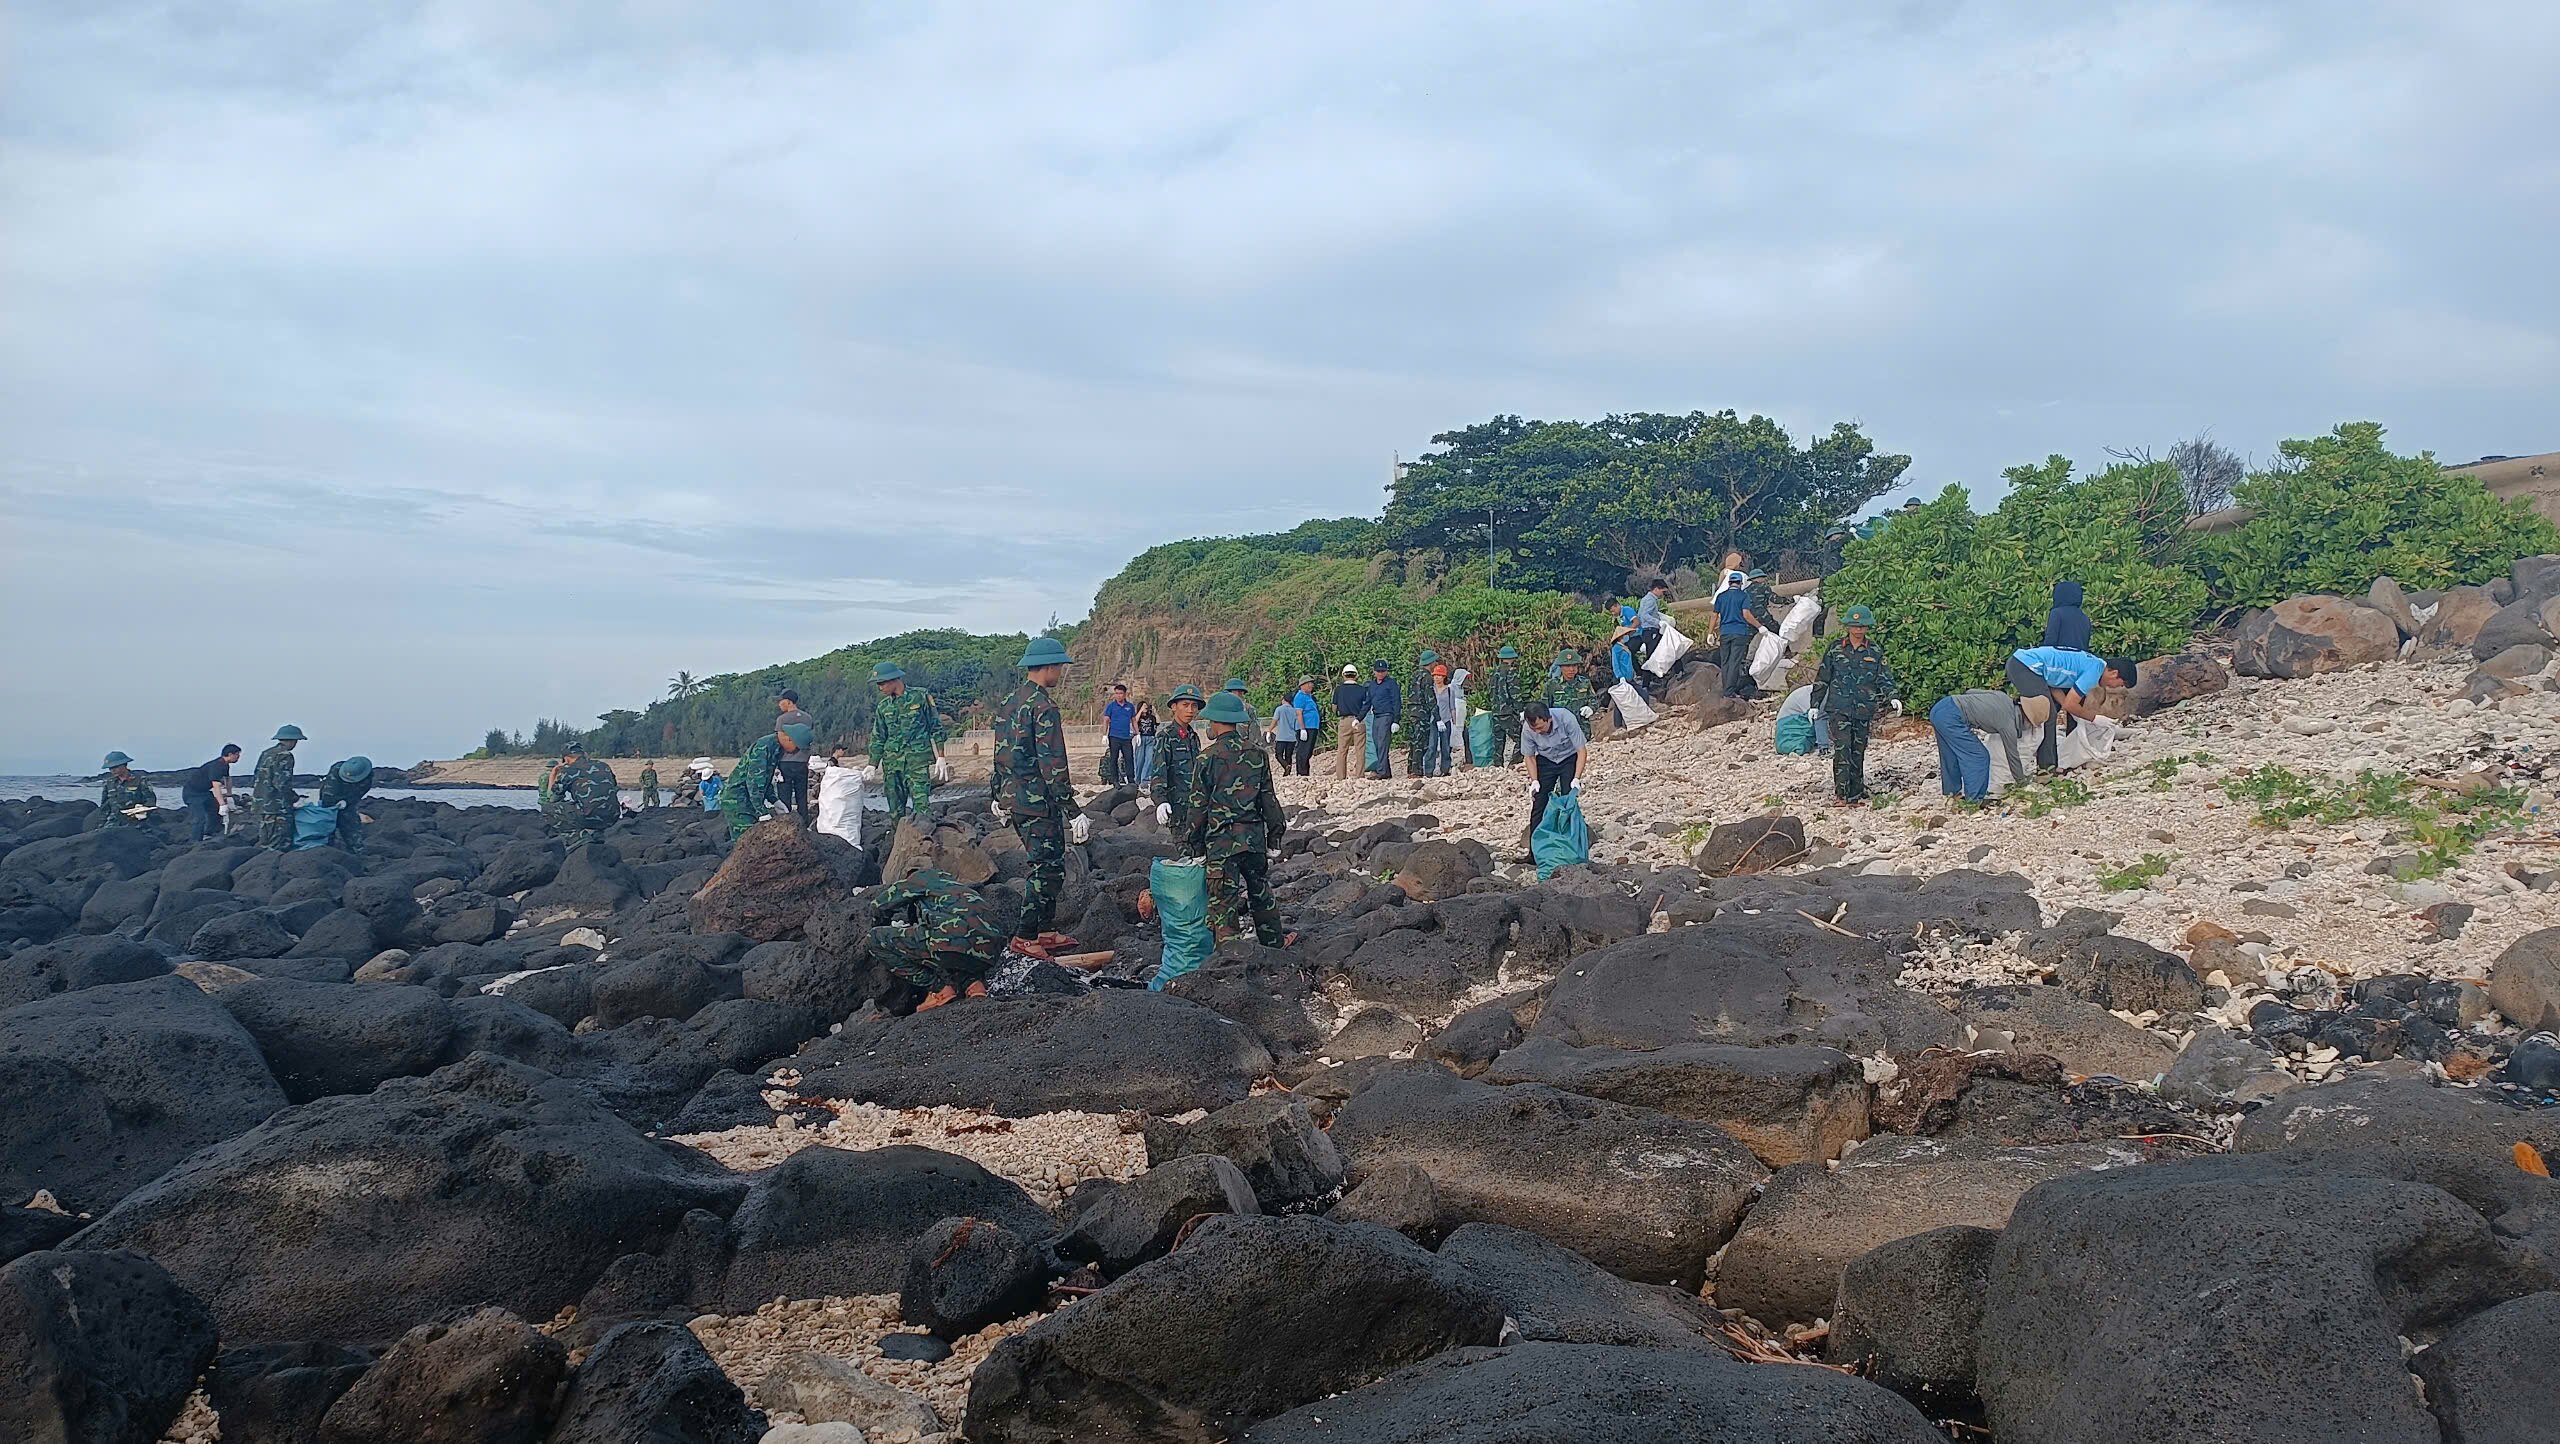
(203, 818)
(2024, 681)
(793, 791)
(1506, 739)
(1286, 756)
(1240, 886)
(1044, 844)
(1733, 659)
(1553, 777)
(1849, 757)
(1120, 761)
(350, 829)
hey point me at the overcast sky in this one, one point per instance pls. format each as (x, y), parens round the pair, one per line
(401, 370)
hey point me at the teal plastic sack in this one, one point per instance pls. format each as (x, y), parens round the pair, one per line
(1795, 735)
(1561, 840)
(1182, 908)
(314, 826)
(1481, 739)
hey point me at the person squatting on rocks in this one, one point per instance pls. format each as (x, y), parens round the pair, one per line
(1386, 706)
(123, 798)
(1350, 709)
(1028, 786)
(1235, 821)
(1502, 699)
(583, 798)
(1737, 625)
(1799, 703)
(207, 794)
(1964, 764)
(1551, 747)
(342, 789)
(649, 783)
(1119, 737)
(1421, 714)
(907, 741)
(937, 934)
(1852, 681)
(1177, 748)
(271, 794)
(793, 767)
(2066, 679)
(748, 794)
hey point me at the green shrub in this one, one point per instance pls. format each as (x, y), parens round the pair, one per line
(1465, 624)
(2344, 509)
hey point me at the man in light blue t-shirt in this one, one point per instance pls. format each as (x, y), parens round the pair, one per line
(2065, 678)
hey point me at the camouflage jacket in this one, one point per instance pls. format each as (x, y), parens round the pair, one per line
(1421, 706)
(337, 792)
(749, 791)
(1571, 693)
(272, 791)
(947, 914)
(1852, 682)
(1177, 748)
(1502, 695)
(649, 782)
(1233, 807)
(1031, 754)
(905, 727)
(118, 793)
(586, 790)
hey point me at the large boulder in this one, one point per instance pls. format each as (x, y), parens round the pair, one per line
(774, 879)
(103, 1089)
(352, 1219)
(654, 1383)
(1557, 1296)
(1785, 1263)
(2089, 1039)
(520, 867)
(1640, 1193)
(71, 964)
(966, 1273)
(279, 1393)
(257, 934)
(1249, 1318)
(2305, 635)
(833, 1222)
(1271, 1137)
(1118, 1226)
(2366, 1111)
(1555, 1393)
(1754, 986)
(484, 1378)
(344, 934)
(388, 905)
(2524, 983)
(592, 882)
(1755, 844)
(2167, 681)
(2460, 614)
(1789, 1105)
(96, 1348)
(324, 1038)
(2234, 1298)
(829, 985)
(2128, 975)
(2489, 1378)
(2524, 622)
(1908, 1312)
(1109, 1050)
(661, 985)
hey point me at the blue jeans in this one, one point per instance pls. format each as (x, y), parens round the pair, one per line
(1146, 768)
(1435, 752)
(1821, 732)
(1379, 736)
(1964, 764)
(203, 818)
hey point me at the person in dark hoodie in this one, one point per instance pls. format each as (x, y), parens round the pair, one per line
(2066, 625)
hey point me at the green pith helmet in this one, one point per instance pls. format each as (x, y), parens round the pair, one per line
(1568, 658)
(1429, 656)
(355, 769)
(888, 672)
(574, 747)
(1234, 684)
(117, 759)
(1226, 707)
(288, 733)
(1860, 615)
(1184, 693)
(1045, 652)
(1507, 654)
(799, 734)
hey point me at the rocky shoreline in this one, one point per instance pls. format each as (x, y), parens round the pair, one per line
(1775, 1122)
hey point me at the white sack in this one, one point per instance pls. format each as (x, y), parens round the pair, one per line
(1667, 653)
(1632, 709)
(840, 795)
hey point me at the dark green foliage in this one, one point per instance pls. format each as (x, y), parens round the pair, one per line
(2343, 509)
(1217, 571)
(1465, 624)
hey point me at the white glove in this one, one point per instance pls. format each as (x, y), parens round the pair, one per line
(941, 770)
(1003, 814)
(1080, 829)
(1164, 814)
(1394, 727)
(1586, 714)
(1897, 706)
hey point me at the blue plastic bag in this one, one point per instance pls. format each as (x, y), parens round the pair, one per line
(1795, 735)
(1561, 840)
(314, 826)
(1481, 738)
(1182, 908)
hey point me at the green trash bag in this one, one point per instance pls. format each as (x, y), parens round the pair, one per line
(1182, 908)
(1795, 735)
(1482, 739)
(1561, 840)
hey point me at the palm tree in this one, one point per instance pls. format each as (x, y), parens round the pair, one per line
(683, 685)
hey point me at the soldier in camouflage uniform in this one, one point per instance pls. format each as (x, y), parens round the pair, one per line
(1028, 785)
(1235, 821)
(585, 798)
(343, 787)
(906, 741)
(1177, 749)
(1852, 682)
(649, 784)
(937, 933)
(1566, 686)
(748, 794)
(1421, 713)
(121, 790)
(1503, 700)
(271, 794)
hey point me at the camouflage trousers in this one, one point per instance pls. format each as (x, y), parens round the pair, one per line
(1239, 883)
(1849, 758)
(275, 830)
(913, 960)
(1417, 743)
(907, 783)
(1044, 845)
(1506, 739)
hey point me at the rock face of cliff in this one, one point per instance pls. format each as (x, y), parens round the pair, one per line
(1155, 653)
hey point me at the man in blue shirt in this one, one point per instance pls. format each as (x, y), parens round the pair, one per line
(1736, 625)
(1386, 704)
(2065, 678)
(1310, 722)
(1119, 724)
